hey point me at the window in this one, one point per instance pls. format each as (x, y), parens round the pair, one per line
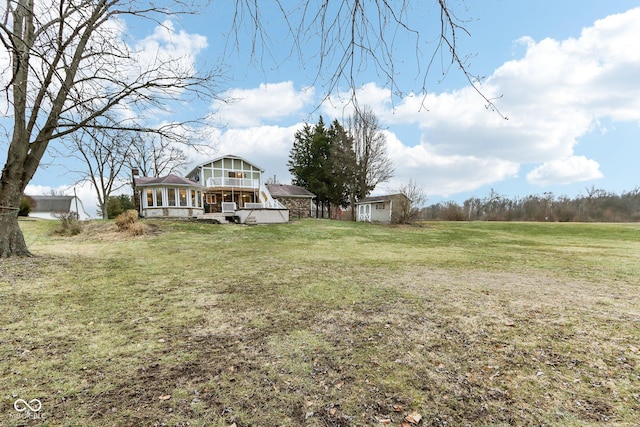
(149, 197)
(171, 196)
(183, 196)
(159, 198)
(380, 206)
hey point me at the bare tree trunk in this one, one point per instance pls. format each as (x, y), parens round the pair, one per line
(352, 201)
(12, 241)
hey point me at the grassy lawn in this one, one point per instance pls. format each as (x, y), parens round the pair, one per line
(324, 323)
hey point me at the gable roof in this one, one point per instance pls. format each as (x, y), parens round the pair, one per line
(385, 198)
(228, 156)
(170, 179)
(61, 204)
(281, 190)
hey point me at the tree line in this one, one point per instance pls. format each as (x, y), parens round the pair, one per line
(340, 164)
(597, 205)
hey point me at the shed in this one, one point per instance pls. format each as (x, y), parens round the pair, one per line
(382, 209)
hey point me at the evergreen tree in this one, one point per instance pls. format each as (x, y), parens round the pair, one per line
(309, 160)
(341, 165)
(337, 165)
(300, 157)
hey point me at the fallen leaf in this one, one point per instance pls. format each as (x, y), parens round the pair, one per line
(333, 411)
(413, 418)
(165, 397)
(398, 408)
(385, 421)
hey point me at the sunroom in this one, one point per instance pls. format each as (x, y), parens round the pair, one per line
(169, 196)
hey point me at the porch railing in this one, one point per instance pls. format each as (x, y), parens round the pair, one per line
(233, 182)
(228, 207)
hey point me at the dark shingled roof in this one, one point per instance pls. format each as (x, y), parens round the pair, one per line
(280, 190)
(44, 204)
(165, 180)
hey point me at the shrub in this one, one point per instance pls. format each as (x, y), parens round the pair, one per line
(128, 221)
(451, 212)
(69, 224)
(138, 229)
(125, 220)
(114, 208)
(117, 205)
(27, 203)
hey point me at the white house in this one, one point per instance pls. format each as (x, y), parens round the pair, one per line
(228, 188)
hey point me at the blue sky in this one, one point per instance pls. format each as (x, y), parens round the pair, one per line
(564, 73)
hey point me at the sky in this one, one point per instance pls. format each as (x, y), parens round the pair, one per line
(563, 77)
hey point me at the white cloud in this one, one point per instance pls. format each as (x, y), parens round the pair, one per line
(268, 102)
(558, 92)
(166, 44)
(555, 94)
(444, 175)
(565, 171)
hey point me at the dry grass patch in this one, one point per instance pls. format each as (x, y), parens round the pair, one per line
(114, 231)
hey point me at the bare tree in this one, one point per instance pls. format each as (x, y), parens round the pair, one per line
(154, 155)
(70, 64)
(372, 165)
(104, 153)
(340, 39)
(410, 207)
